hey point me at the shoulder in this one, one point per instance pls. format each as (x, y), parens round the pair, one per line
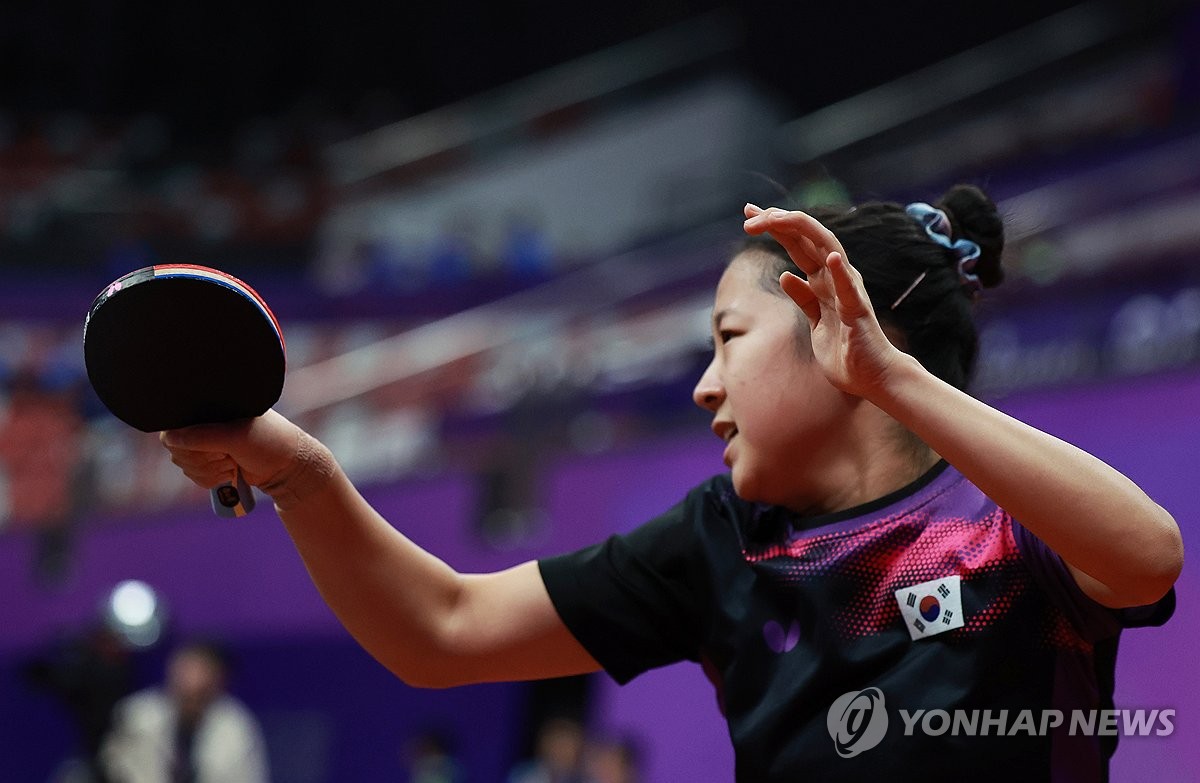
(230, 724)
(710, 510)
(143, 708)
(145, 700)
(675, 544)
(231, 710)
(944, 493)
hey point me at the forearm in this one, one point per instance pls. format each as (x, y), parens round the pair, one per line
(1094, 517)
(392, 596)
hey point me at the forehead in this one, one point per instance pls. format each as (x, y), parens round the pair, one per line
(742, 282)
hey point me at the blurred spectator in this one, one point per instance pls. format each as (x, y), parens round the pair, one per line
(559, 754)
(40, 449)
(192, 730)
(429, 756)
(612, 760)
(89, 674)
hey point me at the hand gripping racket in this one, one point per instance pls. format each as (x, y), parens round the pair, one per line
(175, 345)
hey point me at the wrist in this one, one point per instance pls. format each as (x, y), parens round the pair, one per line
(900, 372)
(311, 468)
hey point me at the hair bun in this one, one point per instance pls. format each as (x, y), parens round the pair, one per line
(974, 216)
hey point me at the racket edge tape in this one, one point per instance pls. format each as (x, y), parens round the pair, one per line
(231, 499)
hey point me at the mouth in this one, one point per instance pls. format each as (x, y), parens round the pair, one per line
(725, 430)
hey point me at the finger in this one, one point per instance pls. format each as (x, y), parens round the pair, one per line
(808, 226)
(212, 474)
(801, 251)
(852, 301)
(207, 472)
(794, 231)
(760, 219)
(800, 292)
(184, 457)
(203, 437)
(796, 224)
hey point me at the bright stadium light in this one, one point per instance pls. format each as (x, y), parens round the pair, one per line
(135, 612)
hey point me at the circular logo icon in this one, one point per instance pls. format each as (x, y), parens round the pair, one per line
(930, 609)
(857, 721)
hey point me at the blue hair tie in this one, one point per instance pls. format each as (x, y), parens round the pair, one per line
(937, 226)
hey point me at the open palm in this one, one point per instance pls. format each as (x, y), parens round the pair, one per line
(847, 340)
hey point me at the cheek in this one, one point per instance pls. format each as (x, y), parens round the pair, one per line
(800, 412)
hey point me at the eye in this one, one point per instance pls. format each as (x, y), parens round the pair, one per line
(723, 337)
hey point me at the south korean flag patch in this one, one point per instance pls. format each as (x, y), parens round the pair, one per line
(931, 607)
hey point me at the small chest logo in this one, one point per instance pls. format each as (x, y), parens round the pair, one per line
(931, 607)
(781, 640)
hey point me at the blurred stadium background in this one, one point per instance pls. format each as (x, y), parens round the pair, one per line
(491, 235)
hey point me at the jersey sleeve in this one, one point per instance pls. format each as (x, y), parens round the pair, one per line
(1093, 620)
(634, 601)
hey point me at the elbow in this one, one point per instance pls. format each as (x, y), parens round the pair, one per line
(431, 659)
(429, 671)
(1170, 556)
(1161, 565)
(439, 662)
(438, 673)
(1138, 572)
(1169, 566)
(420, 660)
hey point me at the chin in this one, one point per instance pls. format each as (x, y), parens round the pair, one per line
(746, 487)
(753, 489)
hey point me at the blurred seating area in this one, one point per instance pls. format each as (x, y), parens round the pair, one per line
(495, 311)
(82, 193)
(533, 266)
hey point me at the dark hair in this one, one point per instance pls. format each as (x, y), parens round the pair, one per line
(891, 250)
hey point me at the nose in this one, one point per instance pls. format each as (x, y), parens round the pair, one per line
(709, 393)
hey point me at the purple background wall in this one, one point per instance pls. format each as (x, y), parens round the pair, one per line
(244, 580)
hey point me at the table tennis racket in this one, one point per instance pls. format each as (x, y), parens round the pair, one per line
(174, 345)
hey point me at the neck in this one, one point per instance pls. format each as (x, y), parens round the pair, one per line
(879, 460)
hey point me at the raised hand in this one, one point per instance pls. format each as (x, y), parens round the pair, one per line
(847, 341)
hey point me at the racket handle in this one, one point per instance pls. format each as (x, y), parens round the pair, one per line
(233, 498)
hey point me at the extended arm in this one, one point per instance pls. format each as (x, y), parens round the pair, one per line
(428, 624)
(1122, 548)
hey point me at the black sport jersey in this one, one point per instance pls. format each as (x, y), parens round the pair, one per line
(932, 598)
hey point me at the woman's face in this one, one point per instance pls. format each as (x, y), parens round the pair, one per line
(771, 403)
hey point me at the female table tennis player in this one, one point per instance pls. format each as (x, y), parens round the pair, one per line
(880, 532)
